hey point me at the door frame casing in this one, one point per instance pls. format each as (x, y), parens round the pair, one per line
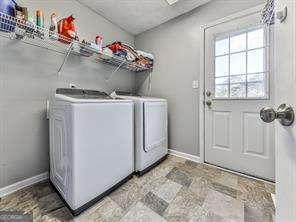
(202, 73)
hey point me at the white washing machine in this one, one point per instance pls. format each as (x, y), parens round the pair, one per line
(91, 145)
(151, 135)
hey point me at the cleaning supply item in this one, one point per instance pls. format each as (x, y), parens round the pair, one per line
(54, 22)
(53, 27)
(99, 42)
(21, 13)
(67, 28)
(40, 18)
(40, 24)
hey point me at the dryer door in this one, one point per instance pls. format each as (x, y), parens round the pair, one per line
(155, 125)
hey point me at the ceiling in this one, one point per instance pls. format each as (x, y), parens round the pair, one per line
(137, 16)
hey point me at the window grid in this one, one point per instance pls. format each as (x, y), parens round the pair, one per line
(246, 82)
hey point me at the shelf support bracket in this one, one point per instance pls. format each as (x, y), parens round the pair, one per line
(65, 58)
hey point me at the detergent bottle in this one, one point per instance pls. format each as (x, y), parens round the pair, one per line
(67, 28)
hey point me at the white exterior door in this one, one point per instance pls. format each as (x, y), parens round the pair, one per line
(238, 82)
(285, 75)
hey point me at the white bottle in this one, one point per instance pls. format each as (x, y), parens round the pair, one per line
(53, 27)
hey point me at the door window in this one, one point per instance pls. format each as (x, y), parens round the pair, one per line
(241, 70)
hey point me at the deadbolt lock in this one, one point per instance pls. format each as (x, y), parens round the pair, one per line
(208, 93)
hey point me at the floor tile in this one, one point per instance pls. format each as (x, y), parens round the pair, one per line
(228, 179)
(192, 169)
(20, 200)
(200, 187)
(257, 198)
(109, 211)
(256, 215)
(141, 213)
(175, 159)
(163, 169)
(150, 183)
(202, 215)
(91, 213)
(155, 203)
(104, 211)
(211, 171)
(168, 190)
(270, 187)
(191, 163)
(224, 189)
(176, 190)
(179, 177)
(42, 189)
(245, 183)
(50, 203)
(126, 195)
(224, 206)
(60, 215)
(182, 207)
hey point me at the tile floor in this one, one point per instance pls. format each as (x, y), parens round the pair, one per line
(176, 190)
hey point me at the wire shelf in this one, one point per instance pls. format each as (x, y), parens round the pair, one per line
(123, 63)
(30, 33)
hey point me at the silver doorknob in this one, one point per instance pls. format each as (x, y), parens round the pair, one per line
(284, 113)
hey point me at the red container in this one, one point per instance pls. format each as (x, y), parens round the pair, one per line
(67, 28)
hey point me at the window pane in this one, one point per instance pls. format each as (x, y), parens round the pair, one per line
(222, 47)
(238, 43)
(222, 80)
(256, 78)
(256, 61)
(238, 63)
(221, 66)
(237, 90)
(221, 91)
(238, 79)
(256, 90)
(256, 39)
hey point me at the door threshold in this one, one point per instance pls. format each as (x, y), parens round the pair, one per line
(241, 174)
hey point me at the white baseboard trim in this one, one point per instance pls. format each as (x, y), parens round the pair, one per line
(22, 184)
(185, 156)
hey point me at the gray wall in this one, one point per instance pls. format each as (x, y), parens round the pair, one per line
(28, 77)
(176, 46)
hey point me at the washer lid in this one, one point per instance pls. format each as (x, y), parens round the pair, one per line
(84, 96)
(135, 97)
